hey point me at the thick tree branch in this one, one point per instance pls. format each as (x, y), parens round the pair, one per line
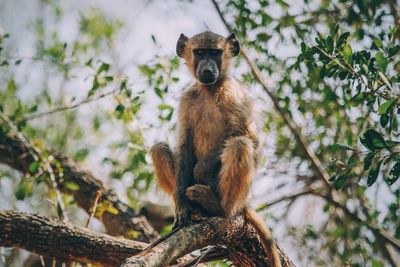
(237, 235)
(72, 243)
(118, 220)
(63, 241)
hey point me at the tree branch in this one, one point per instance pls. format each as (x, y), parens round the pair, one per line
(73, 106)
(120, 220)
(379, 232)
(63, 241)
(236, 234)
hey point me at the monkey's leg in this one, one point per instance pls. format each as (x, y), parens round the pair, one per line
(164, 165)
(237, 169)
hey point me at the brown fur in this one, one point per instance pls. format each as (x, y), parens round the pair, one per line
(216, 131)
(164, 162)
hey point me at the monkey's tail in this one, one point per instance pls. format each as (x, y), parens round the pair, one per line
(265, 235)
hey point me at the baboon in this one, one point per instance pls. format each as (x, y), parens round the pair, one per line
(217, 144)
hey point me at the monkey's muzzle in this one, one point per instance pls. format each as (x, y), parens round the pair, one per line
(207, 72)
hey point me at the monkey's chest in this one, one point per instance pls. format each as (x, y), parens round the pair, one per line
(209, 130)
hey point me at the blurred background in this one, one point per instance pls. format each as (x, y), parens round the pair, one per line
(99, 81)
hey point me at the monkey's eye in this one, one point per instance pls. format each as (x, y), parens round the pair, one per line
(215, 52)
(199, 52)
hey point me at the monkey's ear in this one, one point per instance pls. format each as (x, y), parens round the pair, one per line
(234, 45)
(181, 44)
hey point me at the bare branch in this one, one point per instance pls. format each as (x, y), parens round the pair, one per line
(291, 196)
(65, 242)
(73, 106)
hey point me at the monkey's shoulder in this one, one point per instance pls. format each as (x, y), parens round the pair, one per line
(190, 95)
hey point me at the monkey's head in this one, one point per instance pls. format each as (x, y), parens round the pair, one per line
(208, 55)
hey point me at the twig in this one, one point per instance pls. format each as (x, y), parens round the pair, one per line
(134, 118)
(59, 109)
(286, 197)
(96, 201)
(42, 261)
(60, 202)
(203, 256)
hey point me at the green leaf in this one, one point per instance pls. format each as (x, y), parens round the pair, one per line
(382, 61)
(341, 181)
(384, 108)
(104, 67)
(377, 263)
(166, 112)
(24, 190)
(342, 39)
(119, 111)
(81, 154)
(263, 37)
(329, 44)
(347, 53)
(158, 92)
(123, 85)
(95, 86)
(11, 87)
(372, 140)
(352, 159)
(34, 167)
(112, 210)
(393, 50)
(384, 120)
(373, 174)
(394, 173)
(378, 42)
(71, 185)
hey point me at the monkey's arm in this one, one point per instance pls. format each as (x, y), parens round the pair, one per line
(186, 162)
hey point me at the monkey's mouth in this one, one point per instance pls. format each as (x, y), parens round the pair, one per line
(208, 78)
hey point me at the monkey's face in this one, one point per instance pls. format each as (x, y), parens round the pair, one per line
(207, 63)
(207, 55)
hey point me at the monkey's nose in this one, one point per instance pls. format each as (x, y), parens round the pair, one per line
(207, 72)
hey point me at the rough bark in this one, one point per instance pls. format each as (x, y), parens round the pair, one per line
(72, 243)
(237, 235)
(65, 242)
(121, 220)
